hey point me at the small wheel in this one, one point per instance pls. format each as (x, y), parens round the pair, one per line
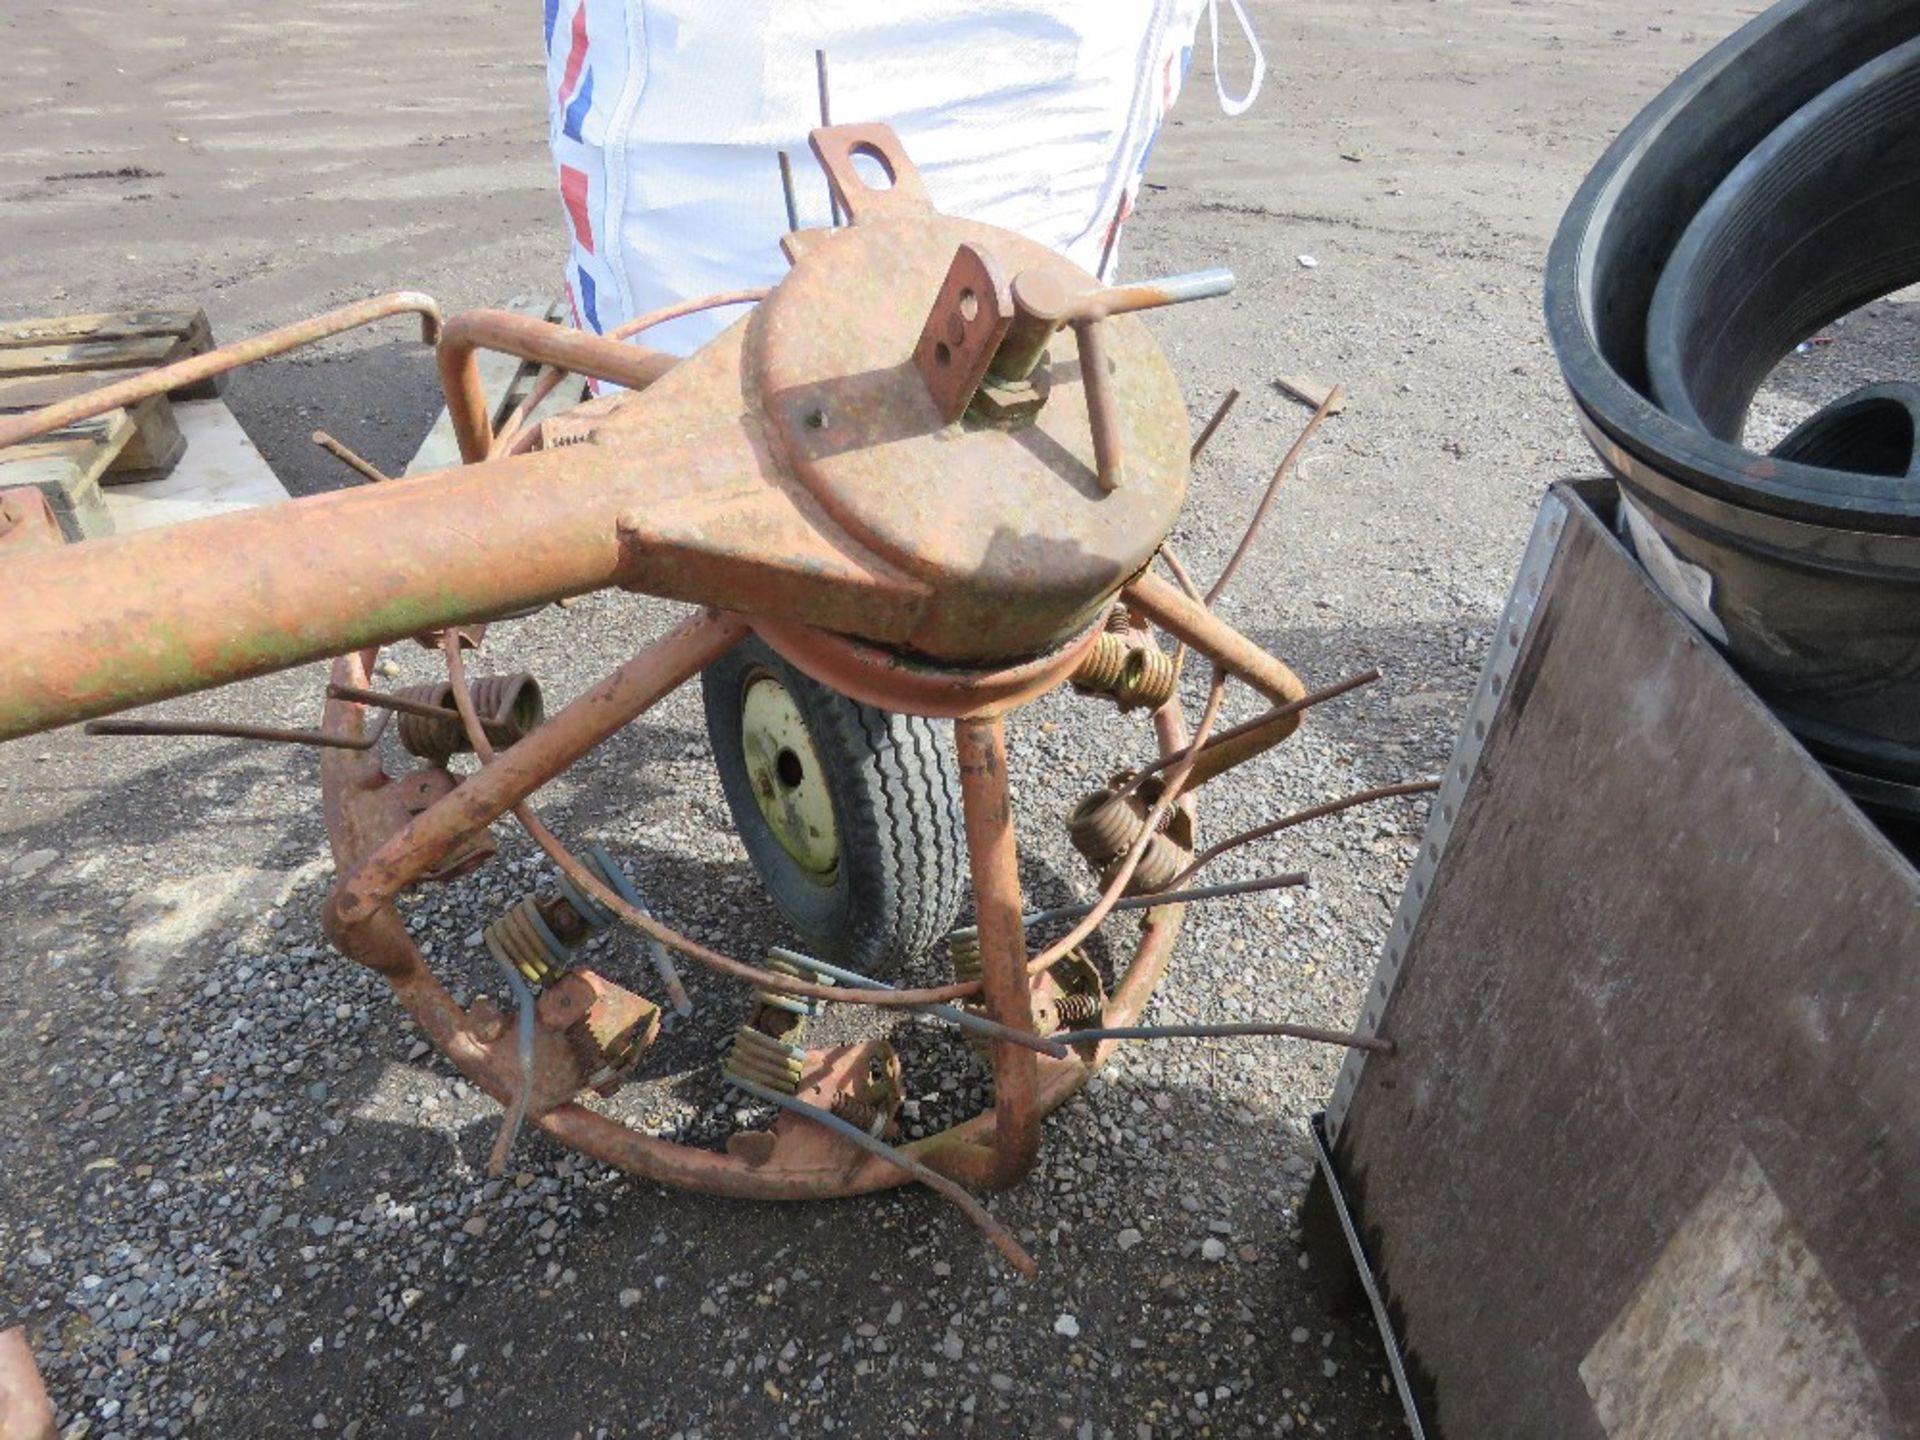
(851, 815)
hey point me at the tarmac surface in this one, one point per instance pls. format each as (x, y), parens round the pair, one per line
(238, 1198)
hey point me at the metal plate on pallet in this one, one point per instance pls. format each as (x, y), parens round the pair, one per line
(1646, 1161)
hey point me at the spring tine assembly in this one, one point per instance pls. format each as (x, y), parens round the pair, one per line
(1105, 826)
(765, 1059)
(1128, 668)
(766, 1048)
(523, 939)
(1081, 997)
(597, 917)
(963, 952)
(510, 707)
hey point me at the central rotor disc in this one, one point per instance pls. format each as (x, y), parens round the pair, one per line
(1010, 526)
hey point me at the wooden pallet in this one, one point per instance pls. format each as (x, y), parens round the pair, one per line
(118, 340)
(114, 473)
(47, 360)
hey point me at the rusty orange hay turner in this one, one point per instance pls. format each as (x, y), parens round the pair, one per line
(932, 470)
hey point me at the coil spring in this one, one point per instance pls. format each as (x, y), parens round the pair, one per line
(1100, 671)
(764, 1059)
(1159, 867)
(765, 1049)
(963, 950)
(785, 962)
(963, 953)
(432, 740)
(1104, 826)
(1072, 1008)
(523, 939)
(1119, 620)
(858, 1112)
(1149, 678)
(509, 706)
(1077, 1009)
(1128, 668)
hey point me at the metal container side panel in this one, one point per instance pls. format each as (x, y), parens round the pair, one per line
(1657, 1093)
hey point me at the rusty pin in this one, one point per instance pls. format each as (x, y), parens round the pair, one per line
(1102, 414)
(347, 457)
(1042, 304)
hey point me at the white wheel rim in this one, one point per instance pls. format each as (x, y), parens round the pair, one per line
(789, 782)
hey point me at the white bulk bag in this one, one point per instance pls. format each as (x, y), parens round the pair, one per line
(666, 117)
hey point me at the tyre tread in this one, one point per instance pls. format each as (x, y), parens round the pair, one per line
(902, 844)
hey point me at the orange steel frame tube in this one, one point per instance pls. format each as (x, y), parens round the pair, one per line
(633, 366)
(988, 809)
(520, 770)
(1186, 620)
(148, 383)
(244, 594)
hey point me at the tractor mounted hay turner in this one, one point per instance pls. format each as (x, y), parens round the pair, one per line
(927, 477)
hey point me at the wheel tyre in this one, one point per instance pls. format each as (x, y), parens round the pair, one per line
(893, 782)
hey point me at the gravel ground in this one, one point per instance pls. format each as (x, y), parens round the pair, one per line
(238, 1197)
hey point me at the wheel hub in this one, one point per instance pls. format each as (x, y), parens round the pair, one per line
(789, 782)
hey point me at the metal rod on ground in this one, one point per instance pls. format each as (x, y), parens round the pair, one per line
(1002, 1240)
(1222, 1032)
(1273, 488)
(1173, 897)
(826, 119)
(346, 457)
(950, 1013)
(786, 191)
(320, 739)
(1231, 399)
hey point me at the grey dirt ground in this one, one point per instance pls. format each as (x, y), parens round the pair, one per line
(238, 1198)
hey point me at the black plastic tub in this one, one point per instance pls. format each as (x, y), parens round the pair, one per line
(1772, 188)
